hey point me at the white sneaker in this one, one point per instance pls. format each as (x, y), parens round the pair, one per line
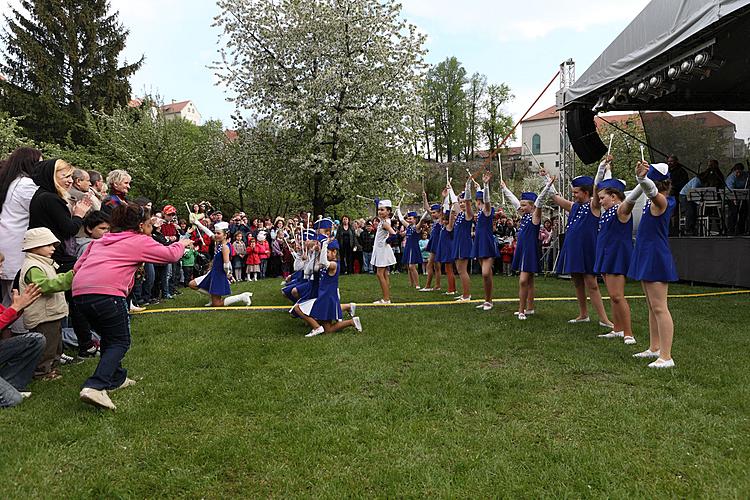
(648, 353)
(25, 394)
(426, 289)
(247, 298)
(136, 309)
(381, 302)
(521, 316)
(450, 293)
(481, 305)
(629, 340)
(463, 299)
(606, 325)
(487, 306)
(529, 312)
(662, 363)
(357, 323)
(612, 335)
(315, 332)
(579, 320)
(352, 309)
(97, 398)
(127, 383)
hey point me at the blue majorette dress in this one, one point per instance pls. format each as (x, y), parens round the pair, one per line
(485, 244)
(462, 242)
(614, 245)
(412, 254)
(578, 252)
(526, 257)
(444, 253)
(215, 281)
(434, 241)
(296, 278)
(652, 258)
(327, 305)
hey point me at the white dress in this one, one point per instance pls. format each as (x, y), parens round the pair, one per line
(382, 253)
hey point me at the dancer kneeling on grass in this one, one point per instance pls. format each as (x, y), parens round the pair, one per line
(216, 282)
(103, 279)
(324, 313)
(577, 254)
(614, 244)
(485, 245)
(301, 284)
(526, 257)
(652, 261)
(382, 253)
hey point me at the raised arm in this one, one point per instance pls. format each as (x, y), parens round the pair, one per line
(468, 192)
(486, 194)
(536, 219)
(604, 167)
(511, 197)
(658, 200)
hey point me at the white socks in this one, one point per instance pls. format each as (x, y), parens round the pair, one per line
(239, 298)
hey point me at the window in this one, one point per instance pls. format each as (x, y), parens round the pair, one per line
(536, 144)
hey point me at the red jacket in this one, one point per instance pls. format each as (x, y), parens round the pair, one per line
(253, 255)
(507, 252)
(203, 240)
(7, 316)
(264, 249)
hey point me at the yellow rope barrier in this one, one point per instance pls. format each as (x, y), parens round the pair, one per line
(431, 303)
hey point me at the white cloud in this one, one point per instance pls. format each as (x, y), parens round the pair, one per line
(529, 20)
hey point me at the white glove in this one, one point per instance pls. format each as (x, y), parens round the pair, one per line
(204, 229)
(452, 196)
(486, 194)
(539, 203)
(648, 186)
(636, 193)
(228, 267)
(511, 198)
(600, 173)
(324, 256)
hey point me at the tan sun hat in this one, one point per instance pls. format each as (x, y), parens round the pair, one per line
(38, 237)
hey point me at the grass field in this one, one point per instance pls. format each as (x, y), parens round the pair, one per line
(429, 401)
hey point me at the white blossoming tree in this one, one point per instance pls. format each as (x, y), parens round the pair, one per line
(342, 74)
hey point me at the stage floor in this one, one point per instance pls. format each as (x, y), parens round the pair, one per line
(715, 260)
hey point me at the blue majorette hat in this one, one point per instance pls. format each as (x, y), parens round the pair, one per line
(480, 195)
(528, 196)
(323, 224)
(658, 172)
(582, 180)
(333, 245)
(411, 214)
(435, 206)
(612, 184)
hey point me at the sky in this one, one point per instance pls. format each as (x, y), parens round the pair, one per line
(518, 43)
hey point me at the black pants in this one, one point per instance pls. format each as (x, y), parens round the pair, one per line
(347, 259)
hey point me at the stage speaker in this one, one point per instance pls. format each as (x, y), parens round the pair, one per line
(583, 136)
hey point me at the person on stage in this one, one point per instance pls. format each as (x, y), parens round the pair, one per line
(412, 255)
(460, 223)
(324, 312)
(433, 243)
(382, 253)
(485, 245)
(526, 257)
(216, 282)
(577, 253)
(614, 244)
(652, 263)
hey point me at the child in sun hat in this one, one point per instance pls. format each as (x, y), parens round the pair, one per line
(652, 263)
(46, 314)
(526, 256)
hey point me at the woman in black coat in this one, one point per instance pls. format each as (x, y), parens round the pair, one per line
(347, 241)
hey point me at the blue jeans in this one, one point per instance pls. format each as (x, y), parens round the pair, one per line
(148, 282)
(18, 358)
(366, 256)
(109, 317)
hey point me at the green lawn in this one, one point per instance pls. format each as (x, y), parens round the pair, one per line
(434, 400)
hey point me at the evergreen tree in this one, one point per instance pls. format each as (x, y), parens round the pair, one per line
(61, 61)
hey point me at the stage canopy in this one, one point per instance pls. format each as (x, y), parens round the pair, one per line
(681, 55)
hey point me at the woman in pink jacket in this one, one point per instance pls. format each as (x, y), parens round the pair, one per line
(103, 279)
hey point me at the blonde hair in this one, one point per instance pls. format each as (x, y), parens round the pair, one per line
(117, 176)
(59, 166)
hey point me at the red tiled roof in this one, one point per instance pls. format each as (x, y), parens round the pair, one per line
(135, 103)
(548, 113)
(232, 135)
(710, 119)
(175, 107)
(3, 79)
